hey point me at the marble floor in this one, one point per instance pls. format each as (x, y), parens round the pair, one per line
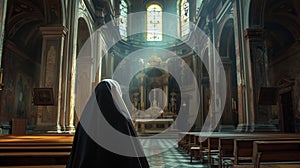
(167, 155)
(173, 158)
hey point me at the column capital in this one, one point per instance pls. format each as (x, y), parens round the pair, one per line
(53, 30)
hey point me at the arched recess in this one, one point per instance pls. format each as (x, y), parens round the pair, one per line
(83, 34)
(228, 56)
(256, 13)
(84, 65)
(275, 51)
(282, 26)
(84, 30)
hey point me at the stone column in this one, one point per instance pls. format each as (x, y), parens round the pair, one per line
(197, 69)
(49, 118)
(111, 65)
(99, 55)
(3, 6)
(166, 91)
(244, 74)
(214, 75)
(141, 78)
(71, 70)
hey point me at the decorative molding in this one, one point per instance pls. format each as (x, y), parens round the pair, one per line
(285, 82)
(53, 30)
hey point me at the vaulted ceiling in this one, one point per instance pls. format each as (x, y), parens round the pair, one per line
(23, 20)
(281, 20)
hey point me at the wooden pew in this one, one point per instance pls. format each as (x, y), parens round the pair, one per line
(39, 166)
(209, 145)
(239, 146)
(226, 146)
(282, 153)
(243, 147)
(212, 148)
(38, 150)
(213, 151)
(189, 143)
(198, 148)
(182, 140)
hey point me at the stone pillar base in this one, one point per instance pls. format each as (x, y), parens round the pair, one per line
(46, 129)
(70, 130)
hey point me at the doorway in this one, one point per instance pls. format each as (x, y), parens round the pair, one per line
(287, 114)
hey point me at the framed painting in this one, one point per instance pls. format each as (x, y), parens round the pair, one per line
(43, 96)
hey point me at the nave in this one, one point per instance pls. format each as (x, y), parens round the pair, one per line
(216, 149)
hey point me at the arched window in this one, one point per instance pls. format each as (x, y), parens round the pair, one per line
(184, 18)
(123, 19)
(154, 22)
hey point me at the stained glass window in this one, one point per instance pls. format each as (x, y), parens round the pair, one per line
(154, 23)
(123, 19)
(184, 18)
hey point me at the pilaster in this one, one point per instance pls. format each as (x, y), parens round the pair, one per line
(51, 118)
(259, 68)
(3, 6)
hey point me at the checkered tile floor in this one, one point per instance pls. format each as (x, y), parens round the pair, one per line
(164, 154)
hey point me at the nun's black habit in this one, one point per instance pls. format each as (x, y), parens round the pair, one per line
(86, 153)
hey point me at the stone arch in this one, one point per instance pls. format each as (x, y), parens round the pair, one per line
(246, 16)
(281, 21)
(83, 34)
(84, 64)
(256, 13)
(226, 39)
(63, 12)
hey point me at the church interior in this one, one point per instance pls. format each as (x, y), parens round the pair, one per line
(166, 55)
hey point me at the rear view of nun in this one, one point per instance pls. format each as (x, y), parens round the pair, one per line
(105, 136)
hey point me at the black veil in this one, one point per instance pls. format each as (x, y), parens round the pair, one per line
(86, 152)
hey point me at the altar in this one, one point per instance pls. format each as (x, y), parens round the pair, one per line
(154, 97)
(156, 125)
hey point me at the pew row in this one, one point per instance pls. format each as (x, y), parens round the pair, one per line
(35, 151)
(233, 149)
(282, 153)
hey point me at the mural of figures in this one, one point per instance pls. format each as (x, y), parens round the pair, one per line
(23, 96)
(7, 99)
(51, 66)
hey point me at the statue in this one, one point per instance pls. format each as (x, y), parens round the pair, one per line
(173, 104)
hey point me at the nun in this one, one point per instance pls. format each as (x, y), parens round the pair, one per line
(105, 136)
